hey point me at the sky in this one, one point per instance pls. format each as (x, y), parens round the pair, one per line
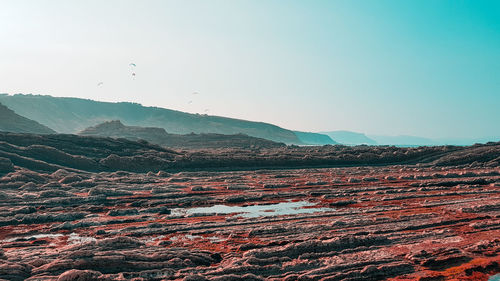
(426, 68)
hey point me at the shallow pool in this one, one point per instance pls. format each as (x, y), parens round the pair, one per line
(73, 238)
(494, 278)
(37, 236)
(278, 209)
(77, 239)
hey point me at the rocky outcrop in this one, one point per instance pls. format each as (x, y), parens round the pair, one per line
(6, 165)
(81, 153)
(79, 275)
(159, 136)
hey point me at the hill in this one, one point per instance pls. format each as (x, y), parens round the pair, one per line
(116, 129)
(13, 122)
(71, 115)
(314, 138)
(350, 138)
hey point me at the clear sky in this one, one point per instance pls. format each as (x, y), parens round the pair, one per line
(429, 67)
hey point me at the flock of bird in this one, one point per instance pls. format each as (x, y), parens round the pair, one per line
(132, 69)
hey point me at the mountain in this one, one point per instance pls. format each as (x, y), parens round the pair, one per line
(466, 141)
(350, 138)
(13, 122)
(116, 129)
(403, 140)
(353, 138)
(314, 138)
(71, 115)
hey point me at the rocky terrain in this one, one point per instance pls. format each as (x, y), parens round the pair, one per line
(95, 154)
(159, 136)
(87, 208)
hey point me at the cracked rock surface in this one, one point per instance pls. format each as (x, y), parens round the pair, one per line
(158, 226)
(438, 221)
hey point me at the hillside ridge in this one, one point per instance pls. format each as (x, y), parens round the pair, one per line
(71, 115)
(116, 129)
(10, 121)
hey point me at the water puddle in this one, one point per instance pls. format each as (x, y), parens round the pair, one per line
(32, 237)
(494, 278)
(153, 239)
(77, 239)
(279, 209)
(73, 238)
(212, 239)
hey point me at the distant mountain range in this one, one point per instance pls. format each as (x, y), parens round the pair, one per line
(404, 140)
(47, 115)
(159, 136)
(350, 138)
(13, 122)
(353, 138)
(71, 115)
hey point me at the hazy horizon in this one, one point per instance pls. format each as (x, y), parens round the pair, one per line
(394, 139)
(426, 68)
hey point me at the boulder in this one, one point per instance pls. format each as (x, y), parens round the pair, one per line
(79, 275)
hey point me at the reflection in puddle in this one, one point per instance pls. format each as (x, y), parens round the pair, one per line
(213, 239)
(77, 239)
(153, 238)
(32, 237)
(210, 238)
(284, 208)
(73, 238)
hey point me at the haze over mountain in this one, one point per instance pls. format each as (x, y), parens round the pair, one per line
(116, 129)
(350, 138)
(12, 122)
(404, 140)
(355, 138)
(71, 115)
(315, 138)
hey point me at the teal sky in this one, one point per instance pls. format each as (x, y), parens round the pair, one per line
(426, 67)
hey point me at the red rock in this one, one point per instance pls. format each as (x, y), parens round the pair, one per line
(79, 275)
